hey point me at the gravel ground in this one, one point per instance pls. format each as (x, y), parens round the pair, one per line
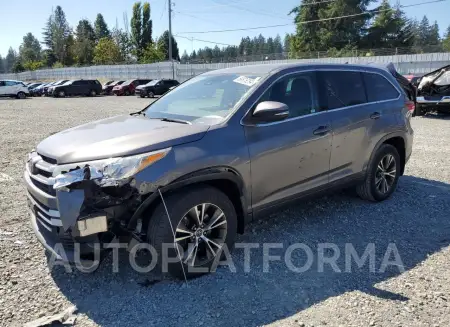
(415, 219)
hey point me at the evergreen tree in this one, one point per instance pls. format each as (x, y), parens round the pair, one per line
(446, 40)
(30, 49)
(101, 28)
(85, 42)
(163, 46)
(184, 57)
(389, 28)
(10, 60)
(56, 34)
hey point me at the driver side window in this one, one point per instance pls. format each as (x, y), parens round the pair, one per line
(298, 91)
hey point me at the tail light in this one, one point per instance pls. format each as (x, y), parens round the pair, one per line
(410, 105)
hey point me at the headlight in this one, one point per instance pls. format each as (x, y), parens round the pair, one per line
(107, 172)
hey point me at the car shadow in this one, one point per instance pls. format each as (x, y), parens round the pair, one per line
(415, 220)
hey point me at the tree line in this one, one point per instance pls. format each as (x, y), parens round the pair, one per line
(90, 44)
(383, 27)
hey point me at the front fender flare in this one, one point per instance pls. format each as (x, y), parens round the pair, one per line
(204, 175)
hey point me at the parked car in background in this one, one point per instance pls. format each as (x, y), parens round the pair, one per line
(48, 90)
(129, 87)
(11, 88)
(33, 85)
(78, 87)
(155, 87)
(433, 92)
(107, 88)
(39, 91)
(218, 151)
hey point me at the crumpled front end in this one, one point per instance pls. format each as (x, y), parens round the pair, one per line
(434, 89)
(85, 204)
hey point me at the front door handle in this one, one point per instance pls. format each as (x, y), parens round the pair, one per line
(375, 115)
(322, 130)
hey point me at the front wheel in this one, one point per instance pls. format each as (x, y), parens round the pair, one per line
(93, 93)
(127, 93)
(382, 175)
(61, 94)
(204, 220)
(151, 94)
(21, 95)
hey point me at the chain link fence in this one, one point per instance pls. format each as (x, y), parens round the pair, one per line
(412, 63)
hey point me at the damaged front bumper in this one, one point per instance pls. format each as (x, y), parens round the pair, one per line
(81, 208)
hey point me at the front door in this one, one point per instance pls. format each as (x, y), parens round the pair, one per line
(291, 156)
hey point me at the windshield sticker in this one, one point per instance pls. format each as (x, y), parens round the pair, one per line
(246, 80)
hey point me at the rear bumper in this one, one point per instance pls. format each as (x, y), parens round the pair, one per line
(436, 101)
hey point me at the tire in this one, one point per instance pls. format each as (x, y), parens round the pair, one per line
(61, 94)
(127, 93)
(418, 111)
(370, 188)
(151, 94)
(21, 95)
(92, 93)
(179, 204)
(142, 95)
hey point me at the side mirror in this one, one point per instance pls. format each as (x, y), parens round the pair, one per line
(271, 111)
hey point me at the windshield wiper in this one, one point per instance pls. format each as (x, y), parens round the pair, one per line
(174, 120)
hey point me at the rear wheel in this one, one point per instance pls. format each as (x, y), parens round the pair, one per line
(21, 95)
(142, 95)
(203, 219)
(93, 93)
(382, 175)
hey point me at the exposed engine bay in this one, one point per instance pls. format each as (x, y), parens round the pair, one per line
(435, 83)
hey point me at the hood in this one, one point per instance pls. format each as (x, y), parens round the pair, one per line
(140, 87)
(117, 136)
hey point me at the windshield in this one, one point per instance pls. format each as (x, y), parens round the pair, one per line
(128, 82)
(203, 99)
(151, 83)
(68, 83)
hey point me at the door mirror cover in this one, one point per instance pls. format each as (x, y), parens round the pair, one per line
(270, 111)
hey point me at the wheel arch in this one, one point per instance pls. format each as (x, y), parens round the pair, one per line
(225, 179)
(396, 140)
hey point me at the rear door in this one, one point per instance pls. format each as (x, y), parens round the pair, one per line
(10, 87)
(359, 116)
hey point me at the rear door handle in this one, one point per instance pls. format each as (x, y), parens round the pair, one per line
(322, 130)
(375, 115)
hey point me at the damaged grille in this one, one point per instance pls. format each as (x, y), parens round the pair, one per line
(41, 195)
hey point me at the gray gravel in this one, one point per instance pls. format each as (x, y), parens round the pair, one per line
(416, 219)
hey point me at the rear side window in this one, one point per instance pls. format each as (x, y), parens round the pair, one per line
(379, 88)
(341, 89)
(10, 83)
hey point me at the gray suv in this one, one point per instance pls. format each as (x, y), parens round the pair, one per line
(201, 162)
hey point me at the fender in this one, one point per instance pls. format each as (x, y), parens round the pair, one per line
(380, 142)
(204, 175)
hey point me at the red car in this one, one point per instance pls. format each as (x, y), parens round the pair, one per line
(128, 87)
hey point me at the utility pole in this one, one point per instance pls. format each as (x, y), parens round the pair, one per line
(170, 38)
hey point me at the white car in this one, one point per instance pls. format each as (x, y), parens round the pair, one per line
(10, 88)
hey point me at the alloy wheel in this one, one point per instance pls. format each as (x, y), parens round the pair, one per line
(385, 174)
(201, 234)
